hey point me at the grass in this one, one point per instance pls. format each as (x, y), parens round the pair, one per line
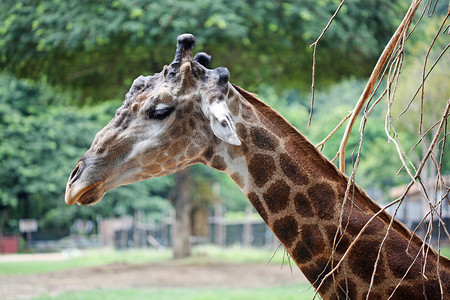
(205, 255)
(87, 258)
(297, 292)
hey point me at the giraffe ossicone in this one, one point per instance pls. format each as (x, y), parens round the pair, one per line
(189, 114)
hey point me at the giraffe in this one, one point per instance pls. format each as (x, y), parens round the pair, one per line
(189, 114)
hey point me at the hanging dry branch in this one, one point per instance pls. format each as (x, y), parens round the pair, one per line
(388, 50)
(387, 70)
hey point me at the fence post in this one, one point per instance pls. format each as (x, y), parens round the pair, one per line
(220, 226)
(247, 234)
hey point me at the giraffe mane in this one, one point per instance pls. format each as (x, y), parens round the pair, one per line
(301, 141)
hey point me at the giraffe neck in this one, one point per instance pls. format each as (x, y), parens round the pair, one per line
(300, 195)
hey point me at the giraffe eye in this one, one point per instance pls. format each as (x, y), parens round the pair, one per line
(160, 113)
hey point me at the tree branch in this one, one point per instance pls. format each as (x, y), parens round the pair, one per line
(314, 58)
(388, 50)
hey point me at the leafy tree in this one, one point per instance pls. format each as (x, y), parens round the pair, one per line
(41, 139)
(99, 47)
(94, 49)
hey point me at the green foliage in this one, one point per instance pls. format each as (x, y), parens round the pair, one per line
(93, 50)
(30, 138)
(99, 47)
(41, 140)
(413, 112)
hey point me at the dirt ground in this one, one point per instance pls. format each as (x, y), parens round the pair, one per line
(117, 276)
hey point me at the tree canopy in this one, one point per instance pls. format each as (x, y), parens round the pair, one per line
(67, 64)
(41, 141)
(75, 44)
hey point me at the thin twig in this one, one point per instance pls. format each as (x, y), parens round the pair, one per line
(420, 86)
(274, 253)
(440, 211)
(424, 68)
(322, 143)
(313, 83)
(436, 137)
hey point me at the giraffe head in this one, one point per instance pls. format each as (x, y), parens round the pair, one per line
(164, 125)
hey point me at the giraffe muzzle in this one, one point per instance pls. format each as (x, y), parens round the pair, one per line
(82, 191)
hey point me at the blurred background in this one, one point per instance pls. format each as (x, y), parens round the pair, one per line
(65, 67)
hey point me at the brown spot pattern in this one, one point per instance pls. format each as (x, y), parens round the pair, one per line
(286, 229)
(323, 197)
(405, 292)
(179, 131)
(312, 238)
(238, 179)
(311, 244)
(234, 107)
(241, 150)
(188, 108)
(241, 131)
(177, 147)
(445, 278)
(362, 259)
(301, 254)
(347, 289)
(399, 262)
(317, 272)
(254, 200)
(263, 139)
(372, 296)
(358, 220)
(303, 205)
(218, 163)
(208, 153)
(292, 170)
(352, 220)
(432, 289)
(314, 162)
(192, 124)
(192, 151)
(342, 242)
(247, 113)
(277, 196)
(261, 168)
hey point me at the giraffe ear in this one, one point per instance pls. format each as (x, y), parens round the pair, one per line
(222, 123)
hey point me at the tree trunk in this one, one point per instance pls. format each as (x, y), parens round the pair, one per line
(3, 218)
(182, 202)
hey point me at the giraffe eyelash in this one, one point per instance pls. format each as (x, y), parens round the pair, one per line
(160, 113)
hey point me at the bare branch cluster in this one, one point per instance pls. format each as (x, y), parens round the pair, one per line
(386, 73)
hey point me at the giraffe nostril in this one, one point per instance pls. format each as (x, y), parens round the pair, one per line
(76, 172)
